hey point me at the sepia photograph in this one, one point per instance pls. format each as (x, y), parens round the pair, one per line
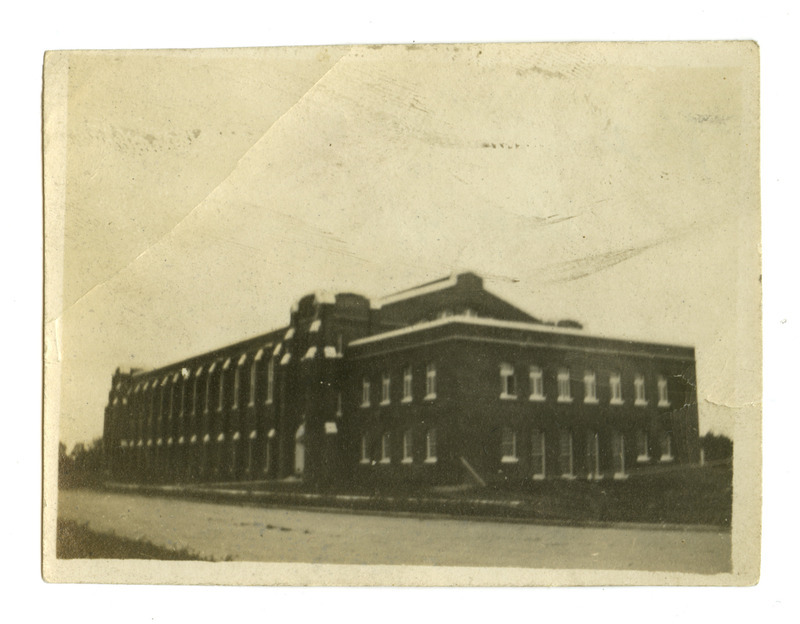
(480, 314)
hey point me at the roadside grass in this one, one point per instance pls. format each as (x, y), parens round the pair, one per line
(676, 495)
(78, 541)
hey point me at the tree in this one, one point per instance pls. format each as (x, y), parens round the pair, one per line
(716, 447)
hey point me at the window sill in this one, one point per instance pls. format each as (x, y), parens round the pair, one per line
(406, 400)
(564, 399)
(664, 404)
(408, 460)
(364, 405)
(667, 458)
(538, 477)
(536, 397)
(385, 461)
(616, 402)
(430, 397)
(509, 460)
(568, 477)
(431, 460)
(643, 458)
(508, 397)
(364, 462)
(384, 403)
(594, 477)
(620, 476)
(638, 403)
(591, 402)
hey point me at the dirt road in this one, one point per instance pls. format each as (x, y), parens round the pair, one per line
(289, 535)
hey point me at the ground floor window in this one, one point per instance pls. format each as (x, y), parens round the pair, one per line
(430, 446)
(537, 454)
(408, 447)
(364, 449)
(642, 446)
(618, 451)
(593, 455)
(508, 446)
(666, 447)
(565, 454)
(386, 448)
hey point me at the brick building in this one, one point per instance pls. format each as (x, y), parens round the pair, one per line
(439, 384)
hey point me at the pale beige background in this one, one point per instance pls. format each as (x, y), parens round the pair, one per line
(201, 192)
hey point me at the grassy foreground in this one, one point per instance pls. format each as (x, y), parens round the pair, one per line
(78, 541)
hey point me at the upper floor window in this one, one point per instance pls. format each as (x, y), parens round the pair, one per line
(386, 448)
(365, 392)
(589, 387)
(221, 389)
(252, 389)
(430, 381)
(339, 405)
(408, 447)
(508, 446)
(407, 380)
(663, 392)
(615, 384)
(537, 384)
(385, 388)
(430, 446)
(270, 379)
(638, 388)
(537, 454)
(469, 312)
(564, 392)
(236, 385)
(508, 388)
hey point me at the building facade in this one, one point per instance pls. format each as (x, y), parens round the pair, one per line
(439, 384)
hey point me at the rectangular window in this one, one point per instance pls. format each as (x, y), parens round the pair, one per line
(507, 386)
(364, 449)
(339, 405)
(252, 390)
(642, 446)
(564, 392)
(508, 446)
(618, 451)
(430, 381)
(386, 448)
(408, 447)
(208, 392)
(593, 456)
(538, 454)
(270, 379)
(638, 387)
(589, 387)
(666, 447)
(365, 392)
(385, 388)
(565, 455)
(407, 380)
(663, 392)
(221, 390)
(615, 383)
(430, 446)
(537, 384)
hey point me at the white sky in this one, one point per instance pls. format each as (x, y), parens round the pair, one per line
(207, 191)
